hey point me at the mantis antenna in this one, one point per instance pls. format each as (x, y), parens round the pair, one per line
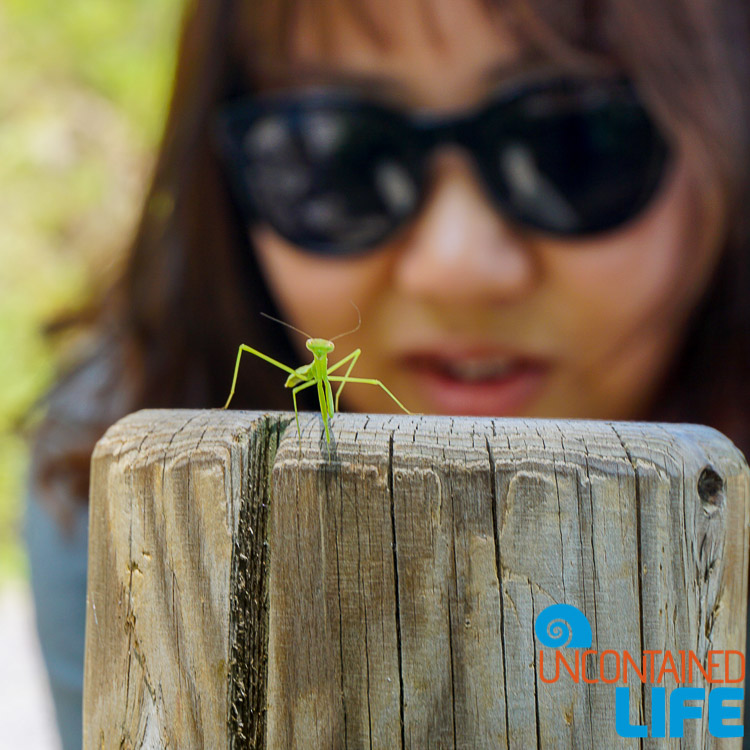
(284, 323)
(304, 333)
(356, 328)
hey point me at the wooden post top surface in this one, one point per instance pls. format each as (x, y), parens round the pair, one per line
(249, 588)
(430, 435)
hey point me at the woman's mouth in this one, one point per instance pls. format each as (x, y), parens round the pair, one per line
(478, 384)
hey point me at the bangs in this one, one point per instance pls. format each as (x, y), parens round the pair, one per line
(268, 26)
(569, 33)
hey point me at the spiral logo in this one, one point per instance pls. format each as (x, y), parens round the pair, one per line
(562, 626)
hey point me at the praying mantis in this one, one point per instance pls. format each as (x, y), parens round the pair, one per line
(316, 373)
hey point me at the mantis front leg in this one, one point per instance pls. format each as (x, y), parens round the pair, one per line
(324, 406)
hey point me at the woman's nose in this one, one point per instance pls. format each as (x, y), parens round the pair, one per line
(459, 247)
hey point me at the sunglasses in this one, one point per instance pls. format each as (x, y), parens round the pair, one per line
(336, 174)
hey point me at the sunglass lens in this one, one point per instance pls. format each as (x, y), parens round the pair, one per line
(332, 180)
(573, 160)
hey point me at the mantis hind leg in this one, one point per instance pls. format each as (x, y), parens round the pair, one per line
(296, 390)
(367, 381)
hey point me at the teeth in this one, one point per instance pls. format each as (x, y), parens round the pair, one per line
(478, 369)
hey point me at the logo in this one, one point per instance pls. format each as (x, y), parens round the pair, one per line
(669, 676)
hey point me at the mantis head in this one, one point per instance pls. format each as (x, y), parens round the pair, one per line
(319, 347)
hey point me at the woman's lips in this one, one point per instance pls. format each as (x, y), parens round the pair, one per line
(478, 384)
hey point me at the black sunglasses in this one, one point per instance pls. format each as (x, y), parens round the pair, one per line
(336, 174)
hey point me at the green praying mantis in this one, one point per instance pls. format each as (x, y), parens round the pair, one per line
(316, 373)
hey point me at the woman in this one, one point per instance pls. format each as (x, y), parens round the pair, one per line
(536, 206)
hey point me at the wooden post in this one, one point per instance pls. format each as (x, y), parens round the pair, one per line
(248, 590)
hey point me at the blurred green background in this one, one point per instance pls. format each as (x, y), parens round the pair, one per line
(83, 93)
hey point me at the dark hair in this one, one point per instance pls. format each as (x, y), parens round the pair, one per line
(166, 335)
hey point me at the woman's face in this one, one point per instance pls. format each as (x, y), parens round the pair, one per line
(462, 313)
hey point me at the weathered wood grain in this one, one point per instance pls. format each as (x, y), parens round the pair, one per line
(169, 492)
(250, 589)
